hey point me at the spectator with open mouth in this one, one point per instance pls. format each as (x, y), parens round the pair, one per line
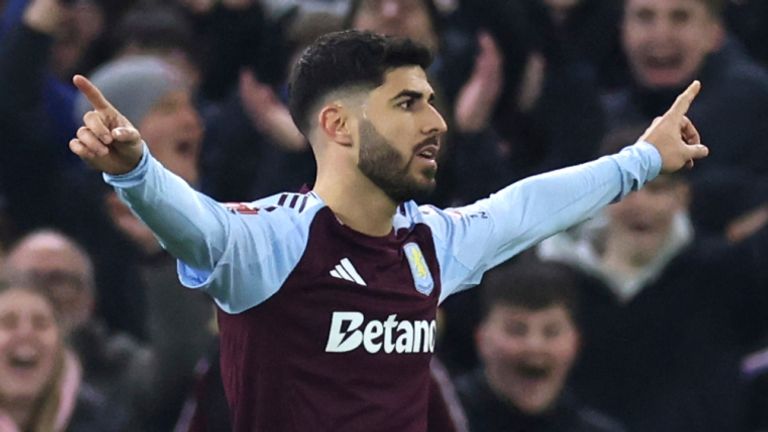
(40, 378)
(527, 341)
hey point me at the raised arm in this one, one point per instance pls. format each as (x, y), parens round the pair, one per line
(474, 238)
(190, 225)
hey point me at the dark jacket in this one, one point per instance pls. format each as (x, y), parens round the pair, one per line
(487, 412)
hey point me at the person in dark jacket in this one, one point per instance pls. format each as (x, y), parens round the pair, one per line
(527, 341)
(670, 42)
(668, 313)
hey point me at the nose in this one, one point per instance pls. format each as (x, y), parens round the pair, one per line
(663, 29)
(435, 124)
(24, 327)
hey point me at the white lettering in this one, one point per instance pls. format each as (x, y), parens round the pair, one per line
(347, 333)
(404, 343)
(373, 331)
(348, 340)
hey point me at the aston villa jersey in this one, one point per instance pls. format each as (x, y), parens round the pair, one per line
(327, 329)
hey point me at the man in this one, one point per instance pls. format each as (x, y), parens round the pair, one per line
(528, 340)
(140, 384)
(664, 342)
(328, 299)
(668, 43)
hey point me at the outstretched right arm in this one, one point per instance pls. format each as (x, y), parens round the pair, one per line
(191, 226)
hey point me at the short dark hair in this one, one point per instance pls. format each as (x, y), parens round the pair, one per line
(532, 285)
(347, 59)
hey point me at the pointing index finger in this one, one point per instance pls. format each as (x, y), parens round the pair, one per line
(684, 100)
(92, 93)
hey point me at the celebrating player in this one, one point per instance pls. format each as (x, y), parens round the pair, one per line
(328, 299)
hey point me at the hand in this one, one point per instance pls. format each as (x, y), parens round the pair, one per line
(268, 115)
(675, 136)
(477, 98)
(108, 142)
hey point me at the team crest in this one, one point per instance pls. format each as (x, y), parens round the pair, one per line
(422, 278)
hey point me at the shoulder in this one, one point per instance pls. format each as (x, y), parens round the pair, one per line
(286, 202)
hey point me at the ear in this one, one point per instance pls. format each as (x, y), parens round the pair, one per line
(334, 122)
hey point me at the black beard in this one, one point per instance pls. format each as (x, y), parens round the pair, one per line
(385, 167)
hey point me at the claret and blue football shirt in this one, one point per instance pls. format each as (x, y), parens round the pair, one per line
(327, 329)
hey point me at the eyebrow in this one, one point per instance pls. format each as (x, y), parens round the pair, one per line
(412, 94)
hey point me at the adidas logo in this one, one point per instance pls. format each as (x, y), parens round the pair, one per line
(345, 270)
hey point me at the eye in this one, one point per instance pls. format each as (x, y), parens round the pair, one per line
(645, 16)
(407, 104)
(515, 328)
(681, 16)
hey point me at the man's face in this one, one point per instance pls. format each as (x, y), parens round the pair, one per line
(174, 132)
(642, 221)
(667, 41)
(56, 266)
(404, 18)
(29, 344)
(400, 133)
(527, 353)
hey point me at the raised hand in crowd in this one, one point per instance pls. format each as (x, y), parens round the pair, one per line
(268, 114)
(477, 98)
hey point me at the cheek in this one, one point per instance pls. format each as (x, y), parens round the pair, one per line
(565, 350)
(503, 347)
(632, 36)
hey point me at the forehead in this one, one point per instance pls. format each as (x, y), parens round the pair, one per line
(21, 300)
(46, 252)
(406, 78)
(554, 313)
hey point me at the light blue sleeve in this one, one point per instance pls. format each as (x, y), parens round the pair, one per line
(470, 240)
(239, 259)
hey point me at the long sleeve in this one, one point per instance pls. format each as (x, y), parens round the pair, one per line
(472, 239)
(190, 225)
(240, 256)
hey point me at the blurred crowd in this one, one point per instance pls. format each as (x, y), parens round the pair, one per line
(652, 316)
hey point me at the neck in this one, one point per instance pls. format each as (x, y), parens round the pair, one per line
(620, 257)
(355, 200)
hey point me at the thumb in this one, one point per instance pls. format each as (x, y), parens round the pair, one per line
(697, 151)
(126, 134)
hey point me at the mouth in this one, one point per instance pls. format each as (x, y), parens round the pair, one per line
(429, 149)
(24, 359)
(532, 371)
(640, 227)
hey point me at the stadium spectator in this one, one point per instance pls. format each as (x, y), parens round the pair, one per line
(670, 42)
(297, 275)
(141, 384)
(663, 342)
(40, 379)
(528, 340)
